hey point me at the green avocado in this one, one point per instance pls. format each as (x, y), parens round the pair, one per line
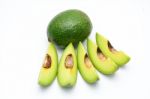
(102, 63)
(119, 57)
(49, 68)
(69, 26)
(85, 66)
(67, 69)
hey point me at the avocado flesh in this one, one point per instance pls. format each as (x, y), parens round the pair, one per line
(49, 68)
(119, 57)
(85, 66)
(102, 63)
(67, 70)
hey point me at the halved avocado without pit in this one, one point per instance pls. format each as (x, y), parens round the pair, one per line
(85, 66)
(119, 57)
(49, 68)
(101, 62)
(67, 69)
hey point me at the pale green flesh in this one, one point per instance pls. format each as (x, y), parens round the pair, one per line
(88, 73)
(107, 66)
(67, 76)
(47, 75)
(119, 57)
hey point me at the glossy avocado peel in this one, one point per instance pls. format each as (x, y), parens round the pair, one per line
(69, 26)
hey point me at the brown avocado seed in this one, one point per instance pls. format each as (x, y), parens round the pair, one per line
(87, 61)
(100, 55)
(69, 61)
(111, 48)
(47, 61)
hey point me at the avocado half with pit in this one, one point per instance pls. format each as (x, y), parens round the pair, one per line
(49, 68)
(85, 66)
(101, 62)
(119, 57)
(67, 69)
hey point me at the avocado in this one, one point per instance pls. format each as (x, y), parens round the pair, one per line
(49, 68)
(101, 62)
(69, 26)
(67, 69)
(85, 66)
(119, 57)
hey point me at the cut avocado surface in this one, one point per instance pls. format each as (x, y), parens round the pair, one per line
(67, 69)
(49, 68)
(101, 62)
(85, 66)
(119, 57)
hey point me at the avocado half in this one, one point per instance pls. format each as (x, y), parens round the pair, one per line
(85, 66)
(119, 57)
(49, 68)
(67, 69)
(101, 62)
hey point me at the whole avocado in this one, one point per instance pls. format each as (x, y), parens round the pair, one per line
(69, 26)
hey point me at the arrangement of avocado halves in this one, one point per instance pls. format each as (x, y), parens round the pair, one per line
(68, 29)
(101, 56)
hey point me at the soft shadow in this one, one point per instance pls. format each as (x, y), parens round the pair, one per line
(124, 67)
(43, 88)
(66, 88)
(94, 85)
(112, 76)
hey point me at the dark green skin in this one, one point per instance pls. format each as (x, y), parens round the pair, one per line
(69, 26)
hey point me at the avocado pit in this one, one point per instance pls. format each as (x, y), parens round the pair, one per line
(87, 61)
(111, 48)
(100, 55)
(47, 61)
(69, 61)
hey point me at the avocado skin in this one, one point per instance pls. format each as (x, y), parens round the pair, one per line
(69, 26)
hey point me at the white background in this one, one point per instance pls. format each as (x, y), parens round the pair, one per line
(23, 44)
